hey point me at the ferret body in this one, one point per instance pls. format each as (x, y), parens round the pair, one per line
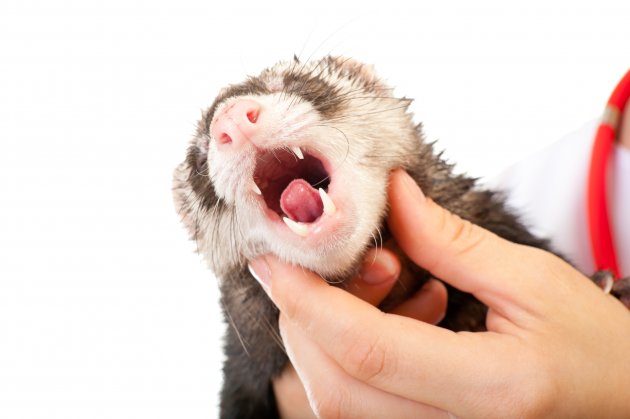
(295, 162)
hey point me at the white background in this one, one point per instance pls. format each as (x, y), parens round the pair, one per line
(105, 310)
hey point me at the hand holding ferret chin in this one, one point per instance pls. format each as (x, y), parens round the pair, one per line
(378, 275)
(556, 345)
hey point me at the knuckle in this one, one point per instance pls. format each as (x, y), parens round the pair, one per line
(460, 236)
(291, 304)
(295, 309)
(367, 360)
(327, 404)
(466, 236)
(291, 307)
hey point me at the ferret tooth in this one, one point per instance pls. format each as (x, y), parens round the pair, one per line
(300, 229)
(298, 152)
(255, 188)
(329, 205)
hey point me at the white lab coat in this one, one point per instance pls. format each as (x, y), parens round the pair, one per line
(549, 189)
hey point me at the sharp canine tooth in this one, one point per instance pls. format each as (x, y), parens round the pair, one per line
(255, 188)
(298, 152)
(300, 229)
(329, 205)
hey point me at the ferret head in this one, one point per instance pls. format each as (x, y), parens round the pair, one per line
(295, 162)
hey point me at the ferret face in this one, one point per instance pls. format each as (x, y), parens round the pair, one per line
(295, 162)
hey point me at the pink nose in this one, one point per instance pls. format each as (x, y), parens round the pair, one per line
(237, 124)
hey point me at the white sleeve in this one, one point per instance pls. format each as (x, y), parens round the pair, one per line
(548, 189)
(620, 196)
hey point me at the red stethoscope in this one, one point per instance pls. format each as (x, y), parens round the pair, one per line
(597, 201)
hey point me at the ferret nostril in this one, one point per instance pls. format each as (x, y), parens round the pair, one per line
(252, 116)
(224, 139)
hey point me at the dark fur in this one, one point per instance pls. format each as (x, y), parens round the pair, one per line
(252, 346)
(247, 374)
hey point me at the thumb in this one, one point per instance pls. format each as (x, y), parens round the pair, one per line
(463, 254)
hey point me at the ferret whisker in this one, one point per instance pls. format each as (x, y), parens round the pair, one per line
(236, 193)
(274, 334)
(215, 229)
(375, 245)
(346, 117)
(234, 227)
(376, 156)
(345, 156)
(240, 231)
(321, 44)
(202, 174)
(196, 235)
(402, 284)
(285, 86)
(273, 152)
(352, 94)
(298, 93)
(325, 67)
(346, 98)
(287, 149)
(186, 200)
(233, 325)
(336, 96)
(309, 76)
(335, 281)
(368, 100)
(296, 58)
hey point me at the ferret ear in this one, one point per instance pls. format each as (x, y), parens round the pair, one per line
(355, 68)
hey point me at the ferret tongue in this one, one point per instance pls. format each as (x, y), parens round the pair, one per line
(301, 202)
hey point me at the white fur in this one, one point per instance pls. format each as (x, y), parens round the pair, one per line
(371, 135)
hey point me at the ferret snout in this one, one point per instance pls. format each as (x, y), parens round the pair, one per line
(237, 124)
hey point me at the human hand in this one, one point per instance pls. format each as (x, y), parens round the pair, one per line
(379, 273)
(556, 345)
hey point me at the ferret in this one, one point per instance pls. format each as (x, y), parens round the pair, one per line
(295, 162)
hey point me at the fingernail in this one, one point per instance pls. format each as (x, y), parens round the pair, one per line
(411, 185)
(381, 269)
(259, 268)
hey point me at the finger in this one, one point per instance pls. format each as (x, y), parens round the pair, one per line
(398, 355)
(428, 304)
(333, 393)
(290, 396)
(467, 256)
(379, 273)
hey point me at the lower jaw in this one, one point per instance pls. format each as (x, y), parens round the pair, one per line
(320, 232)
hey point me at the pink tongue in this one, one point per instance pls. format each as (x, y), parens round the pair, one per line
(301, 202)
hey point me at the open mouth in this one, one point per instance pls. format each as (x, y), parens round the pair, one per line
(294, 185)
